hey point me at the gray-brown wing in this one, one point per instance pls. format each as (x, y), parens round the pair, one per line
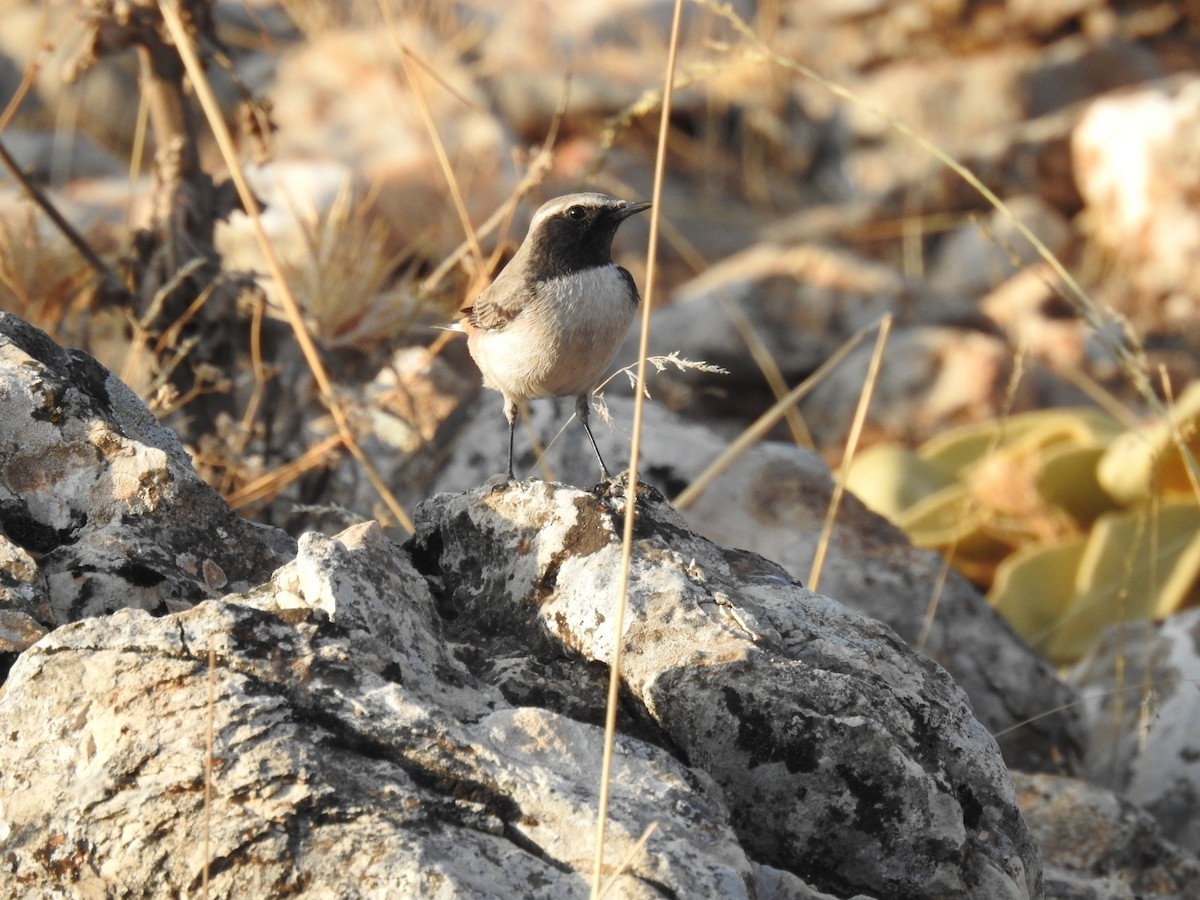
(500, 302)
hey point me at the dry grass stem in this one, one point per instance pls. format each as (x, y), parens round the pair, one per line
(208, 764)
(242, 437)
(973, 502)
(272, 483)
(614, 679)
(137, 154)
(629, 858)
(1145, 686)
(28, 78)
(539, 168)
(412, 73)
(295, 316)
(650, 100)
(65, 228)
(935, 600)
(1099, 394)
(766, 422)
(1181, 440)
(839, 486)
(1147, 520)
(770, 370)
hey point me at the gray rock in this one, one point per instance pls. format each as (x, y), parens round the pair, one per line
(104, 498)
(352, 754)
(873, 567)
(1099, 846)
(979, 255)
(772, 500)
(404, 725)
(1139, 688)
(24, 604)
(844, 756)
(1142, 220)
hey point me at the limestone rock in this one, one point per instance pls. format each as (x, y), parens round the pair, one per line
(24, 603)
(1139, 688)
(404, 723)
(772, 501)
(1135, 165)
(352, 754)
(844, 756)
(1095, 844)
(352, 751)
(328, 778)
(104, 498)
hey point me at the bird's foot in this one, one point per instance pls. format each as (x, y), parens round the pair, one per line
(617, 487)
(500, 482)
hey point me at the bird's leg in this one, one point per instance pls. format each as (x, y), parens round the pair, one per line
(582, 410)
(510, 413)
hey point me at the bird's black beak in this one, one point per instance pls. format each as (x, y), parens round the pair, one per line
(632, 208)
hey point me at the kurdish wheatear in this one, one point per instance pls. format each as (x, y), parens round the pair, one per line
(551, 322)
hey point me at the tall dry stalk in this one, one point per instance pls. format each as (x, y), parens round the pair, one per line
(614, 679)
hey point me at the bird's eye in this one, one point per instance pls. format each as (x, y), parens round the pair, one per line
(578, 213)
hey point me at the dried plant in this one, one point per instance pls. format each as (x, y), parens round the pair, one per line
(346, 280)
(42, 277)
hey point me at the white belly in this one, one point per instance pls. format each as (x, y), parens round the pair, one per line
(563, 343)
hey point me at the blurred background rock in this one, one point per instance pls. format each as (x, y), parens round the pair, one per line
(1017, 426)
(792, 217)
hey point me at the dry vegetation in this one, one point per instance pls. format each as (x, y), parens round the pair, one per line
(262, 372)
(259, 363)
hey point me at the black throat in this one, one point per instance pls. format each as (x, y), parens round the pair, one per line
(563, 248)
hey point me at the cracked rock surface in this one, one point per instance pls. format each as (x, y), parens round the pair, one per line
(329, 777)
(844, 757)
(343, 716)
(100, 506)
(773, 500)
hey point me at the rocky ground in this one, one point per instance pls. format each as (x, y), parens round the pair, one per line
(206, 671)
(190, 696)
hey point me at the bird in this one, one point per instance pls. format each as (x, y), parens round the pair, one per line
(550, 323)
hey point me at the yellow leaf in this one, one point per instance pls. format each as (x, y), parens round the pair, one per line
(1147, 461)
(1135, 565)
(1035, 585)
(1067, 479)
(889, 479)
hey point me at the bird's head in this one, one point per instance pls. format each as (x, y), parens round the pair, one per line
(575, 232)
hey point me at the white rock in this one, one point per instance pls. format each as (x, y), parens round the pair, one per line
(1136, 172)
(772, 500)
(1141, 717)
(105, 496)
